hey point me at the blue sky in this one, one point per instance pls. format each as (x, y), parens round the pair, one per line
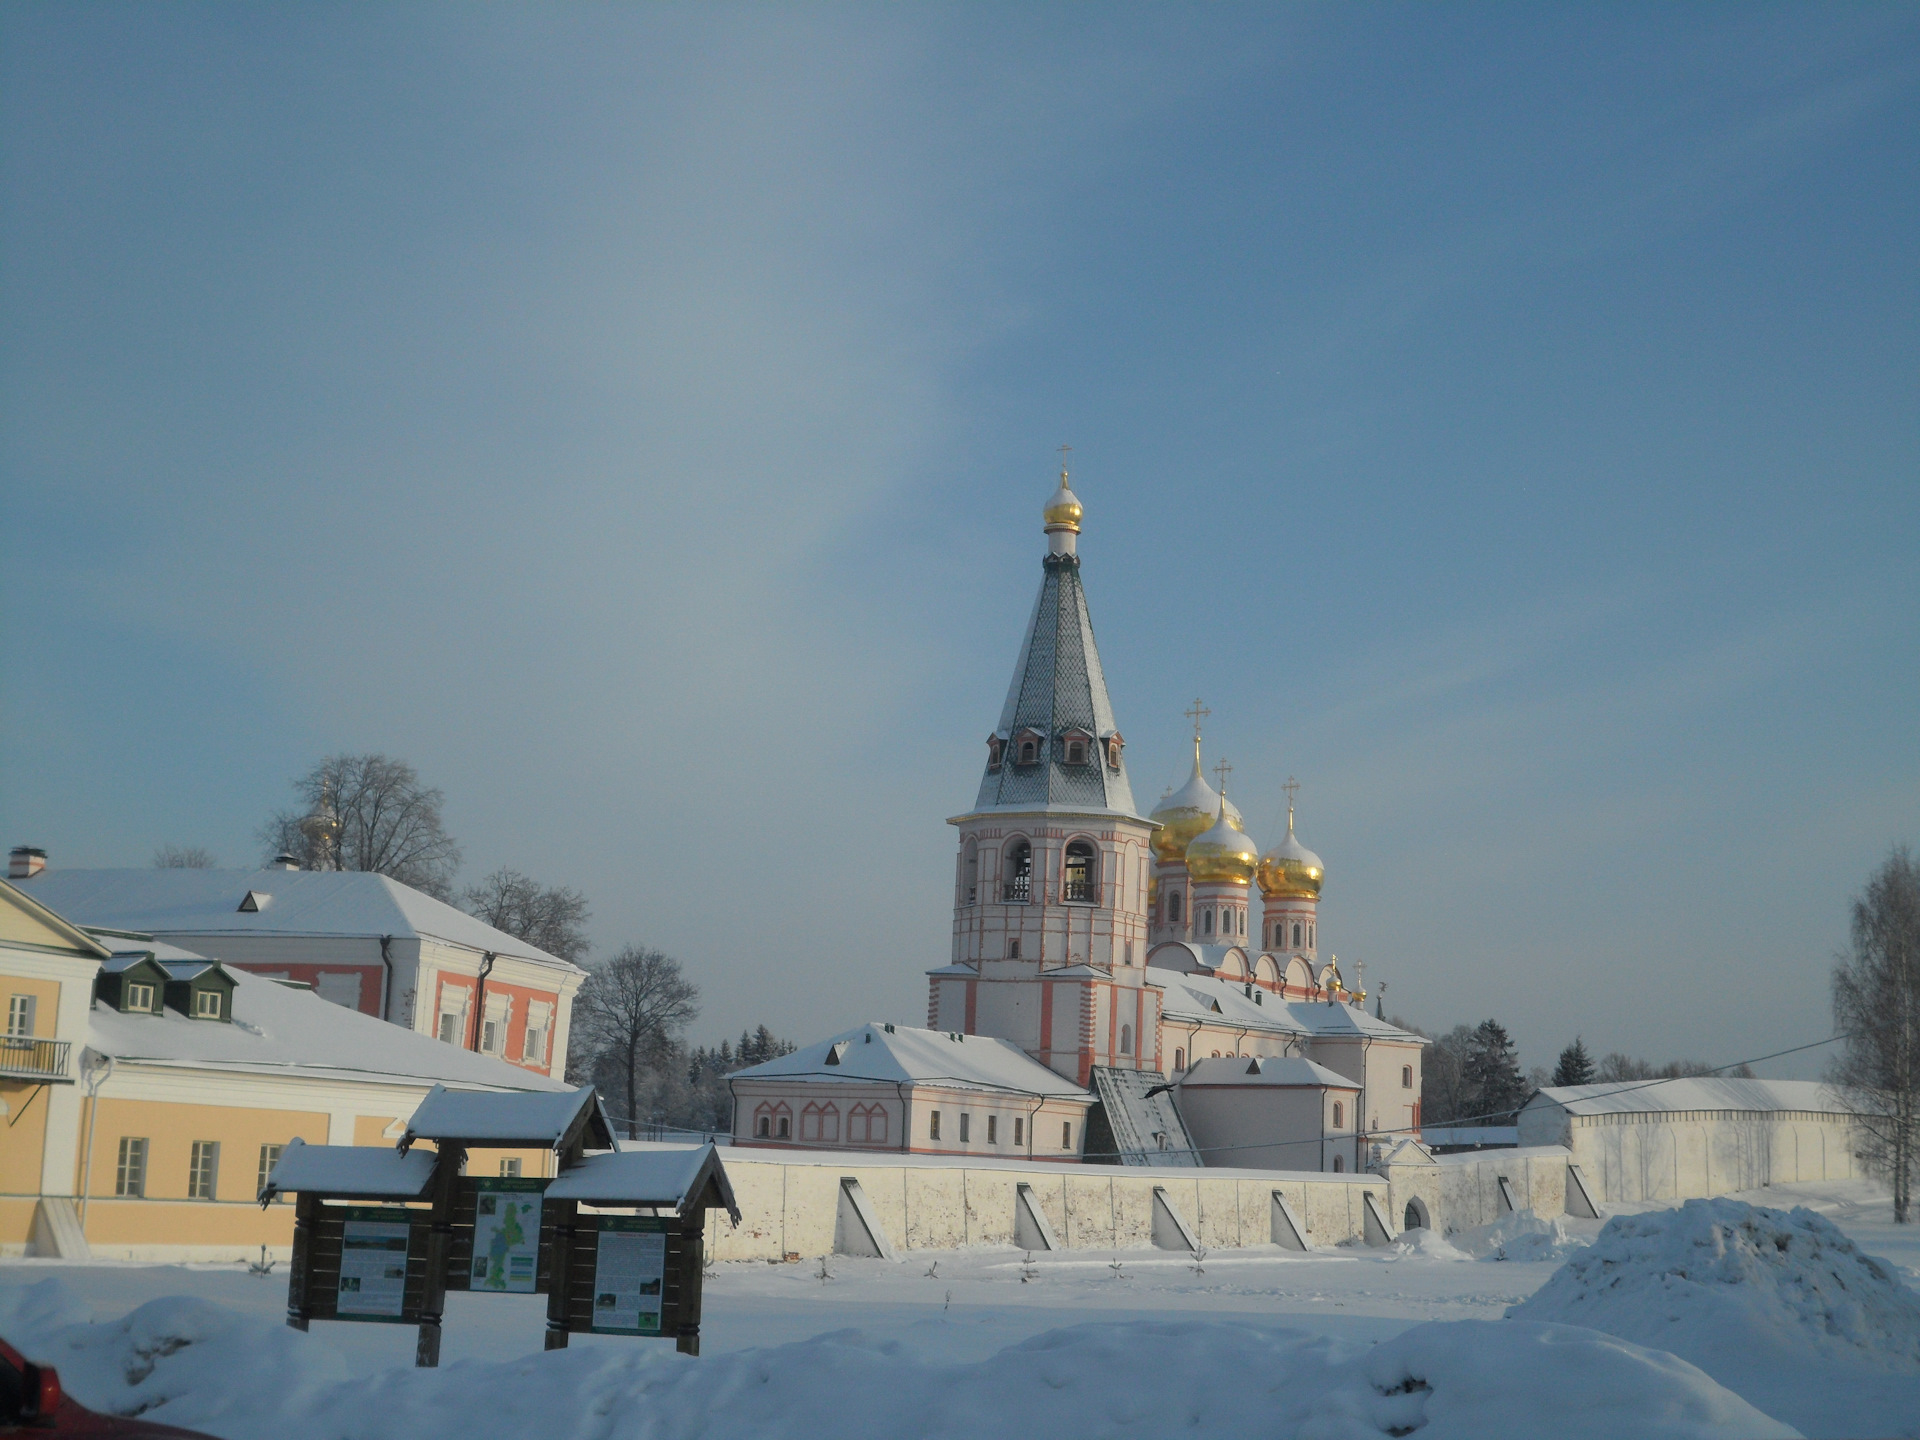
(638, 417)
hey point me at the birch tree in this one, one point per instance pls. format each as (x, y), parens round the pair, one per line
(1876, 1006)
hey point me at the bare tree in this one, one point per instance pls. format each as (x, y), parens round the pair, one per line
(183, 857)
(1876, 1006)
(630, 1011)
(368, 812)
(553, 918)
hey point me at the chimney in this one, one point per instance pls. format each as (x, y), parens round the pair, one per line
(285, 862)
(25, 862)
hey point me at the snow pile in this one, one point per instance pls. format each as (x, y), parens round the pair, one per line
(1424, 1244)
(188, 1362)
(1779, 1305)
(1520, 1235)
(35, 1309)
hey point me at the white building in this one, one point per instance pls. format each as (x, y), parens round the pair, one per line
(1677, 1139)
(359, 939)
(920, 1092)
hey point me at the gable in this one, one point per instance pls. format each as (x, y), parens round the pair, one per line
(25, 921)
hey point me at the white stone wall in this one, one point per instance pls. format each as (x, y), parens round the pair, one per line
(788, 1204)
(1459, 1192)
(1695, 1153)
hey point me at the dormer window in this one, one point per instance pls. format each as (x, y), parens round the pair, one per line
(1029, 747)
(1077, 746)
(836, 1050)
(996, 752)
(206, 1004)
(254, 901)
(1114, 746)
(140, 997)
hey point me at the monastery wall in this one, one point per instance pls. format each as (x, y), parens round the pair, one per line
(1457, 1192)
(1686, 1154)
(790, 1205)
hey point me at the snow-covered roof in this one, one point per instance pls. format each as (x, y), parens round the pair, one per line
(1626, 1097)
(1277, 1071)
(298, 902)
(508, 1119)
(895, 1053)
(677, 1179)
(127, 943)
(367, 1172)
(1208, 999)
(279, 1030)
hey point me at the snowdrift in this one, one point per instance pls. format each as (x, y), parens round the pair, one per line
(1781, 1306)
(188, 1362)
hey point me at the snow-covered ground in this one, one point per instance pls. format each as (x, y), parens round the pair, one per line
(1348, 1342)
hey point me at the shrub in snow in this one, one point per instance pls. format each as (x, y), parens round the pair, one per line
(1520, 1235)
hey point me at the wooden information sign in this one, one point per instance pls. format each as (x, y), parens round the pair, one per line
(357, 1262)
(500, 1241)
(625, 1275)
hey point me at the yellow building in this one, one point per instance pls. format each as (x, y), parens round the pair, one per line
(147, 1091)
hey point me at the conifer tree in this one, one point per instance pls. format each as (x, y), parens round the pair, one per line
(1576, 1066)
(1491, 1071)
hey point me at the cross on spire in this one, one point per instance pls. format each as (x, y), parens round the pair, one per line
(1291, 787)
(1065, 450)
(1196, 712)
(1223, 769)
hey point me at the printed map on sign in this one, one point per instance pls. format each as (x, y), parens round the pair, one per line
(506, 1239)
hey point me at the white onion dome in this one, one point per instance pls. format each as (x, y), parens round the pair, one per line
(1222, 853)
(1290, 871)
(1183, 814)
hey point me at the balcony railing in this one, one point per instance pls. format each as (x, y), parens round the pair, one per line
(1080, 892)
(24, 1058)
(1017, 890)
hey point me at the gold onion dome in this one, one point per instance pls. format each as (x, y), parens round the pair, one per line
(1063, 510)
(1223, 853)
(1290, 871)
(1182, 814)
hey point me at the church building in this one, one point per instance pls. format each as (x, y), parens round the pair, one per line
(1119, 951)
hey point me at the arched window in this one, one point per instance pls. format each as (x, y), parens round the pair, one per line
(1179, 1059)
(972, 873)
(1339, 1163)
(1082, 867)
(1173, 907)
(1309, 936)
(1296, 934)
(1013, 948)
(1339, 1114)
(1028, 752)
(1406, 1077)
(1076, 752)
(786, 1127)
(763, 1128)
(820, 1122)
(1206, 921)
(1126, 1039)
(1019, 882)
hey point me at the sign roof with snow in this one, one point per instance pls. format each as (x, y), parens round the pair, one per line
(360, 1172)
(681, 1178)
(552, 1121)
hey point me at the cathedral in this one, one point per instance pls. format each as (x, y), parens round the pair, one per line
(1108, 968)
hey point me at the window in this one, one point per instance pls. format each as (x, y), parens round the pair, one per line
(20, 1012)
(539, 1018)
(933, 1125)
(1339, 1115)
(1019, 884)
(450, 1028)
(1019, 1127)
(139, 997)
(1081, 868)
(1113, 753)
(1076, 753)
(204, 1170)
(867, 1125)
(1406, 1077)
(786, 1127)
(1339, 1163)
(1066, 1135)
(965, 1126)
(510, 1168)
(1173, 908)
(490, 1036)
(972, 874)
(996, 749)
(820, 1122)
(1027, 752)
(130, 1176)
(1179, 1059)
(1309, 936)
(1296, 935)
(763, 1129)
(1126, 1039)
(1207, 922)
(993, 1129)
(206, 1004)
(269, 1157)
(1013, 948)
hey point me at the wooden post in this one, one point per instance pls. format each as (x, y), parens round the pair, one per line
(560, 1272)
(299, 1309)
(446, 1175)
(692, 1271)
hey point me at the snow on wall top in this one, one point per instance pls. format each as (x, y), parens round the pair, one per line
(1208, 999)
(302, 902)
(895, 1053)
(277, 1029)
(1278, 1071)
(1705, 1093)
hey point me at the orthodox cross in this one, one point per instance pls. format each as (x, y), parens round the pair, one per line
(1223, 769)
(1290, 787)
(1196, 713)
(1064, 451)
